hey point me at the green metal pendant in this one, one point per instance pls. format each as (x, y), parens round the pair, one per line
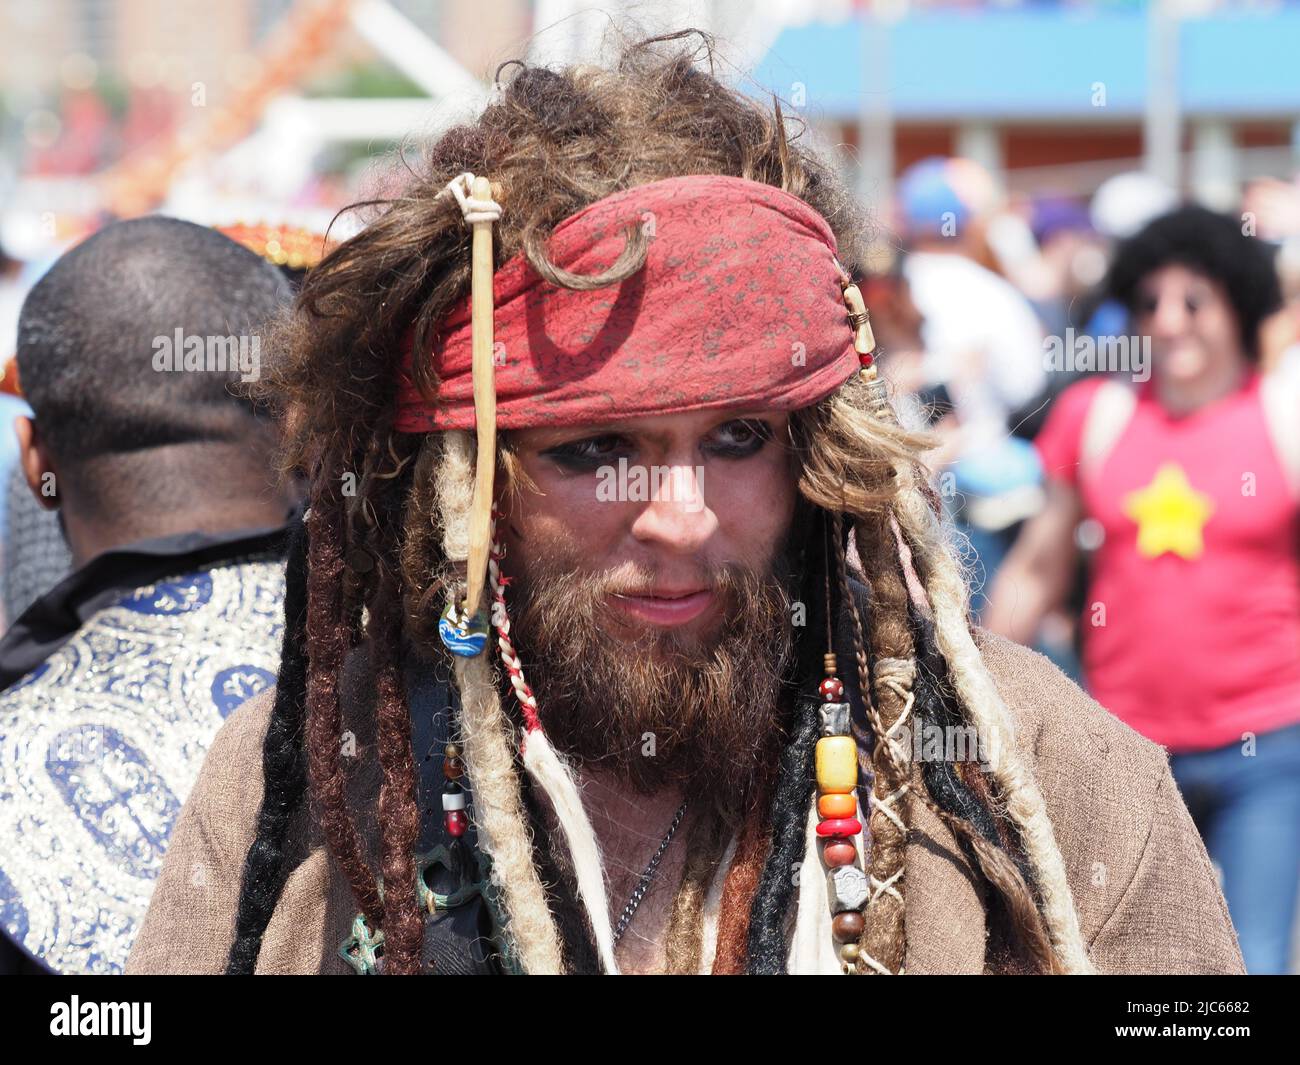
(361, 950)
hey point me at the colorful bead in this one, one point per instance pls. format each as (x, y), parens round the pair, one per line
(837, 852)
(453, 800)
(462, 637)
(841, 804)
(847, 927)
(837, 764)
(457, 822)
(831, 689)
(453, 769)
(840, 826)
(452, 750)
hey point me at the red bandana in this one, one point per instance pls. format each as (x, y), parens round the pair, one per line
(738, 306)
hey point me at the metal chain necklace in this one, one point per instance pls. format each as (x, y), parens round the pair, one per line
(643, 883)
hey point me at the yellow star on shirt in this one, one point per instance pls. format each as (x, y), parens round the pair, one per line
(1170, 514)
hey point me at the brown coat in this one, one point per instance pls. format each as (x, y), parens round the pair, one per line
(1143, 885)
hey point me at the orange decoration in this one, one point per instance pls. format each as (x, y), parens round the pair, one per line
(838, 805)
(140, 182)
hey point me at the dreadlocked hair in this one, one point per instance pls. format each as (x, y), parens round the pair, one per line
(327, 643)
(856, 461)
(1016, 789)
(286, 779)
(386, 529)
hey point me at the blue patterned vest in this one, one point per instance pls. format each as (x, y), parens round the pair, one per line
(100, 745)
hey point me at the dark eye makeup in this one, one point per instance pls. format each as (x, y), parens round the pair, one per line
(732, 440)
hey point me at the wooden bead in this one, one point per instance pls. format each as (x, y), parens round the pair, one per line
(846, 927)
(837, 763)
(842, 804)
(453, 769)
(839, 852)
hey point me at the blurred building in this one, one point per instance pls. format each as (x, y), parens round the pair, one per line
(1061, 95)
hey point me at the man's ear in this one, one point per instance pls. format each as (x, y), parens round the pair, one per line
(38, 466)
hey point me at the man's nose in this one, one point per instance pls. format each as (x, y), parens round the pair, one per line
(676, 517)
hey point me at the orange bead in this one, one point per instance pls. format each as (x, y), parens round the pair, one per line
(837, 805)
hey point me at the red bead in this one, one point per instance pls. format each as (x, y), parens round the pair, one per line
(456, 822)
(831, 689)
(839, 852)
(866, 360)
(840, 826)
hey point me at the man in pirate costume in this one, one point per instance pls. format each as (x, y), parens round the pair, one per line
(118, 677)
(527, 723)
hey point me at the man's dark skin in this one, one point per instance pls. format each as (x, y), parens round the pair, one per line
(209, 487)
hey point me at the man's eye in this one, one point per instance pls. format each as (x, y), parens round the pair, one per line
(740, 438)
(589, 453)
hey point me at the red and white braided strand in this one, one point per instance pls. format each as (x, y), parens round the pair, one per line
(501, 621)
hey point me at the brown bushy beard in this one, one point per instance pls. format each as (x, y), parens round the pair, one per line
(702, 713)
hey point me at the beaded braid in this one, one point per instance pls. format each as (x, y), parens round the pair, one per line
(883, 943)
(326, 643)
(285, 775)
(795, 771)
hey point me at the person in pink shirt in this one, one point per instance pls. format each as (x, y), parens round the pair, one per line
(1187, 471)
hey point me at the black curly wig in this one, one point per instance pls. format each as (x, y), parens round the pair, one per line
(1211, 244)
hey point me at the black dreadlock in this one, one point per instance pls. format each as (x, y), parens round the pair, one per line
(284, 770)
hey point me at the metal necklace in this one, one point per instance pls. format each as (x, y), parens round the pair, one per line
(643, 884)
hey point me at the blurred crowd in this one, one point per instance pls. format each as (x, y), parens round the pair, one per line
(1112, 389)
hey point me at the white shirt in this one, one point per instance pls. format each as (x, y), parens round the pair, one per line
(982, 340)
